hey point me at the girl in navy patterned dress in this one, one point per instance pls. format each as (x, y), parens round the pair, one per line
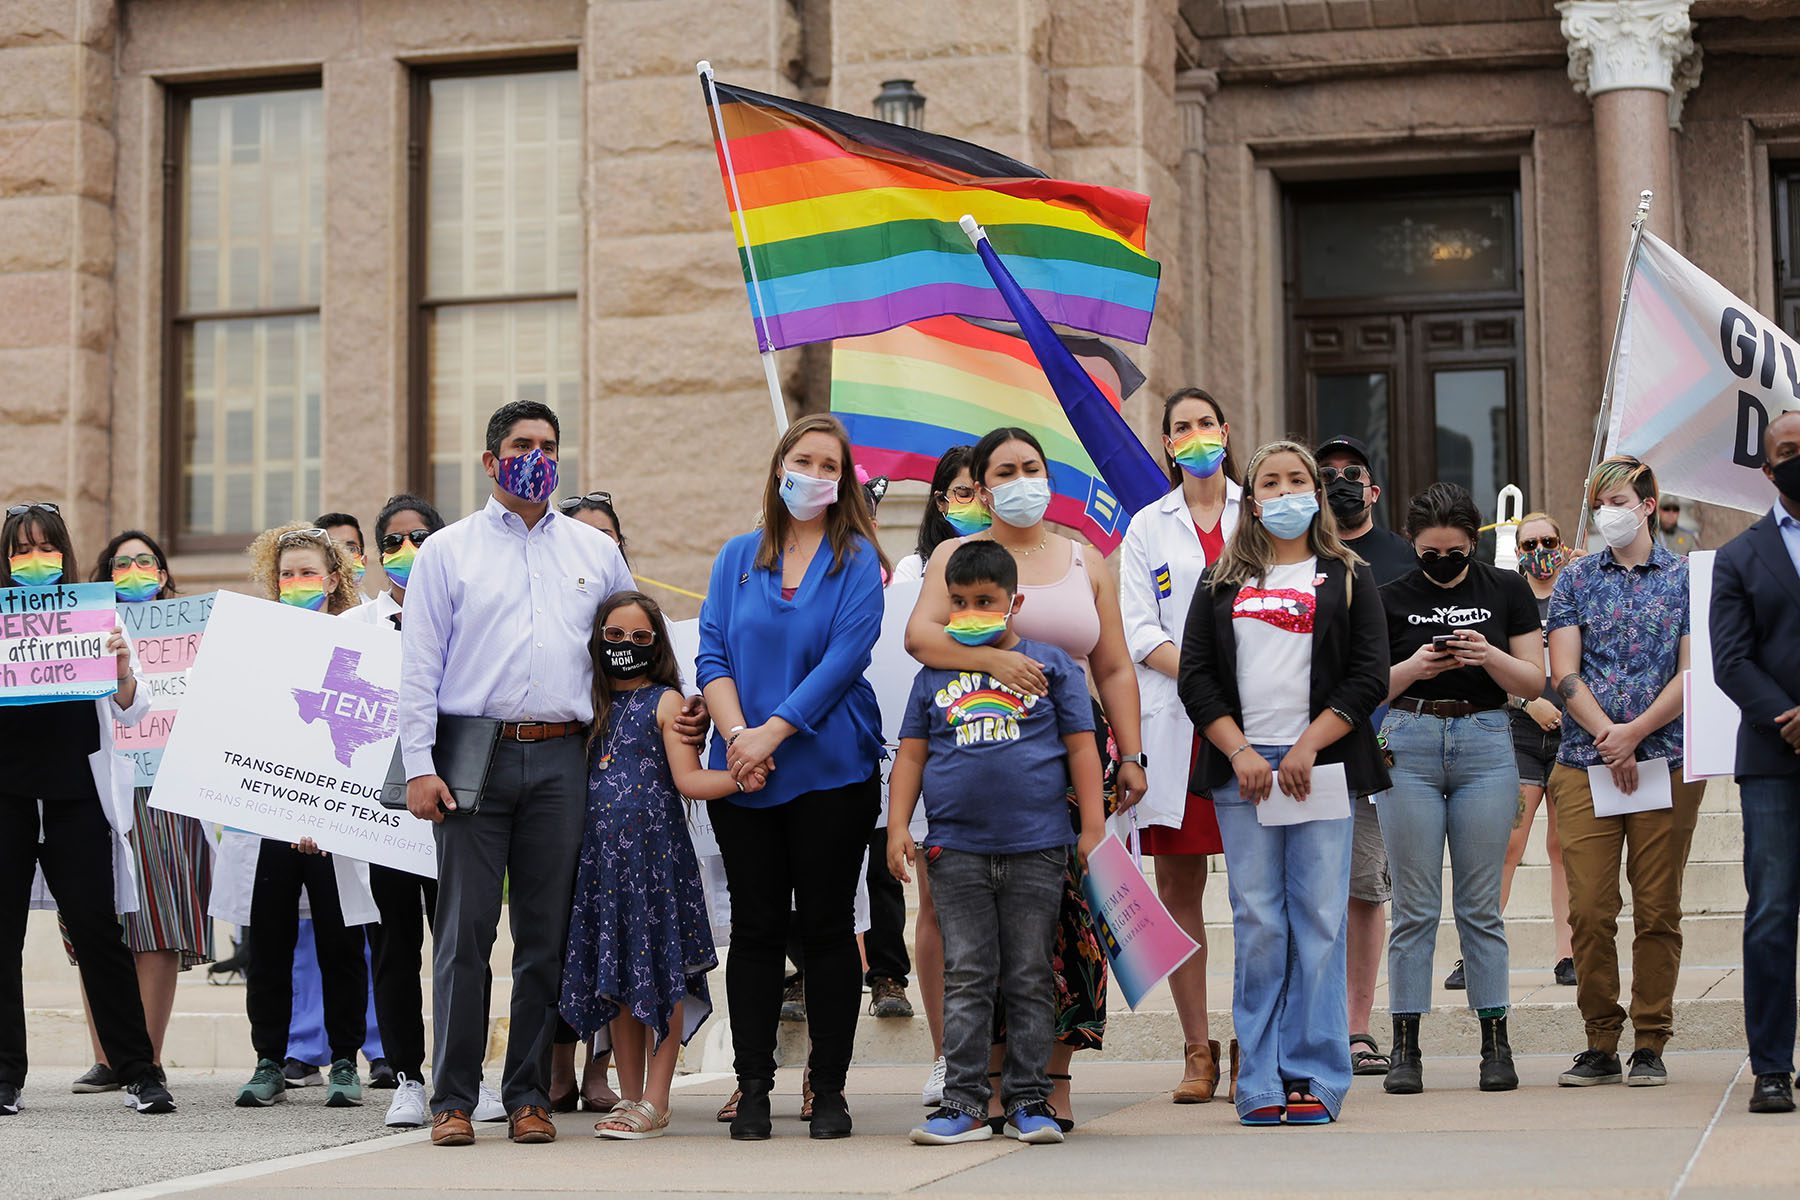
(639, 941)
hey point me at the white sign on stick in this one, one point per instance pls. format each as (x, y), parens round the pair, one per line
(1710, 725)
(287, 730)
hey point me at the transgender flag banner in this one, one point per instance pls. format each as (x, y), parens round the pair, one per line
(1699, 376)
(1143, 943)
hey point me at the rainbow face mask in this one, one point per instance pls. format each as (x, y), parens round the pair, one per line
(1199, 452)
(976, 628)
(37, 568)
(135, 584)
(304, 591)
(399, 563)
(359, 567)
(967, 516)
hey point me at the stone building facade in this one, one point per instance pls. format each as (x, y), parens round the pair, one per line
(261, 258)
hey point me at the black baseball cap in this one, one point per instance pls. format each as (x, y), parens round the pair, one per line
(1346, 444)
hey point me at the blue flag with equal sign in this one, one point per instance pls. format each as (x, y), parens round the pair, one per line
(1133, 476)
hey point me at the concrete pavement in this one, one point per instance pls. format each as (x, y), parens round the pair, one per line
(1689, 1141)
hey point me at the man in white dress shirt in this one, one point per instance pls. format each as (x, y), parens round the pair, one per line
(499, 609)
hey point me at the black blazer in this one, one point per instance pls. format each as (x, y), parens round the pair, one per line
(1756, 642)
(1349, 673)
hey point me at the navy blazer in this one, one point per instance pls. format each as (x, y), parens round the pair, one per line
(1349, 673)
(1755, 629)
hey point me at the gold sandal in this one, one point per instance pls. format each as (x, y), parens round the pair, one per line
(640, 1121)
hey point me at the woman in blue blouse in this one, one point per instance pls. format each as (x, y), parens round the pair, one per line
(791, 615)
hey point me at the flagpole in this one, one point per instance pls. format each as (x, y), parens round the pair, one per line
(765, 346)
(1604, 417)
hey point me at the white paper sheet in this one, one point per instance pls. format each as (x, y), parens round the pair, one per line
(1711, 719)
(1329, 799)
(1653, 790)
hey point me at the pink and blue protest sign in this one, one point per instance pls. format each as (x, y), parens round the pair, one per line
(167, 635)
(1143, 943)
(53, 643)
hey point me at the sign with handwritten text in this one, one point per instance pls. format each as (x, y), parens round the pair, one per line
(53, 643)
(166, 635)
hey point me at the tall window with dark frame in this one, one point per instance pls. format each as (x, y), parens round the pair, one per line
(1787, 245)
(1405, 306)
(242, 352)
(497, 251)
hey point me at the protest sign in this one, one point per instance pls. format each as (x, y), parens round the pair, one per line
(1698, 377)
(287, 729)
(53, 643)
(1142, 942)
(1710, 719)
(166, 635)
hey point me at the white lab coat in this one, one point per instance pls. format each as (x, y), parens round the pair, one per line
(234, 870)
(1162, 538)
(114, 776)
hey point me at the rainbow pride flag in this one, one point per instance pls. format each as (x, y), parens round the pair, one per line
(852, 227)
(907, 395)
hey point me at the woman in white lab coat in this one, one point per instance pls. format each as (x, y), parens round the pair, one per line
(65, 811)
(1166, 547)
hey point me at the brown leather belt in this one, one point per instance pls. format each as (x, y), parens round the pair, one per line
(1442, 708)
(539, 731)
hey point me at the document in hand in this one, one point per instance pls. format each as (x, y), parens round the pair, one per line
(1653, 791)
(1329, 799)
(1141, 940)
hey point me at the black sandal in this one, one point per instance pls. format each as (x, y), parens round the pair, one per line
(1062, 1123)
(1367, 1062)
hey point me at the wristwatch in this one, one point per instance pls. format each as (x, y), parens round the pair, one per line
(1140, 758)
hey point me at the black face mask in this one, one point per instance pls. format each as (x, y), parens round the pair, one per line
(625, 660)
(1787, 478)
(1346, 501)
(1445, 567)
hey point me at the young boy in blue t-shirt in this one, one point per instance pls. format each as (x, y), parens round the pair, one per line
(995, 767)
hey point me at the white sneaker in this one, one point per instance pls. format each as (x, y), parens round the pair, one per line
(488, 1106)
(933, 1092)
(407, 1111)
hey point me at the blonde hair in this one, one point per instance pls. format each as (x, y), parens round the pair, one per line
(1545, 517)
(844, 520)
(265, 564)
(1250, 551)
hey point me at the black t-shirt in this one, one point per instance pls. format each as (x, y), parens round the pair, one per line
(1388, 554)
(1497, 604)
(61, 736)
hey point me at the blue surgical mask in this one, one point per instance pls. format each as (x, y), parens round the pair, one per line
(1021, 503)
(1288, 516)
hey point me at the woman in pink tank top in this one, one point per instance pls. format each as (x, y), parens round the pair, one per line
(1070, 601)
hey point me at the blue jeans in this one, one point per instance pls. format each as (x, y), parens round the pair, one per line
(1772, 876)
(1290, 893)
(1455, 781)
(998, 916)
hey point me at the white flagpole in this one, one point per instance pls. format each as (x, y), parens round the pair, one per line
(1612, 362)
(737, 210)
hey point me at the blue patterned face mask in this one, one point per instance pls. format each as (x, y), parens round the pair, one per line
(530, 476)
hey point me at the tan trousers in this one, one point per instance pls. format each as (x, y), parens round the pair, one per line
(1655, 850)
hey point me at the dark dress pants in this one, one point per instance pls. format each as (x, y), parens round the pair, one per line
(281, 873)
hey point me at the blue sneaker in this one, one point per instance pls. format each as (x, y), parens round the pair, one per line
(1034, 1124)
(947, 1127)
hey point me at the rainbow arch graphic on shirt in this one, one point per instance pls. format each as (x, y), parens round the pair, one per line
(988, 702)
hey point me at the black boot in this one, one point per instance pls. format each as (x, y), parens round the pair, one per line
(1497, 1074)
(752, 1121)
(831, 1116)
(1407, 1076)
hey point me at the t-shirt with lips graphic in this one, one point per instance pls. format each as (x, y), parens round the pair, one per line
(1497, 604)
(1272, 622)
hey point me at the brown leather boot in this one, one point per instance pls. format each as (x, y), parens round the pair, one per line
(1200, 1078)
(530, 1125)
(1232, 1094)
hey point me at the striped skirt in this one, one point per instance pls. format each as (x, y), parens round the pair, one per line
(174, 872)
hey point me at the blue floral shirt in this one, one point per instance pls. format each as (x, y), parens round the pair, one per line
(1632, 620)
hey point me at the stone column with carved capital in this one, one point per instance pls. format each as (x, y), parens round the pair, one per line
(1193, 88)
(1637, 61)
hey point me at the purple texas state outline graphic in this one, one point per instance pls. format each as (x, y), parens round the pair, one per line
(356, 711)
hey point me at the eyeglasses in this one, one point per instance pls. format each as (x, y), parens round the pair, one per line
(390, 542)
(1350, 474)
(1431, 556)
(302, 536)
(575, 502)
(1549, 542)
(1674, 508)
(962, 494)
(19, 510)
(637, 637)
(146, 561)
